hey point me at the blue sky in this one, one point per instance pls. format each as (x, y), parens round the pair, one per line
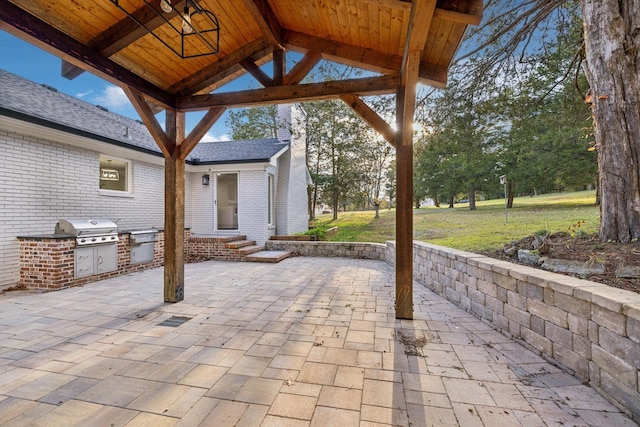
(26, 60)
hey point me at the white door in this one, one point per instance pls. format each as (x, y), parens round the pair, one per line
(226, 201)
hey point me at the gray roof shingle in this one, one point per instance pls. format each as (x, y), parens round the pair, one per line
(41, 104)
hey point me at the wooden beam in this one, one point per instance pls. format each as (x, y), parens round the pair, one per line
(292, 93)
(458, 17)
(174, 182)
(343, 53)
(371, 117)
(263, 15)
(200, 130)
(359, 57)
(217, 71)
(256, 72)
(20, 23)
(279, 66)
(421, 16)
(302, 68)
(69, 71)
(145, 112)
(468, 12)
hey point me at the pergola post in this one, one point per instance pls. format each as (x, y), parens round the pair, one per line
(174, 176)
(421, 11)
(405, 107)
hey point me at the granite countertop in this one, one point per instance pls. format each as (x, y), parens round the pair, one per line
(69, 236)
(47, 236)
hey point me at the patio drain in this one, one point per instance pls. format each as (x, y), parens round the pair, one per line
(174, 321)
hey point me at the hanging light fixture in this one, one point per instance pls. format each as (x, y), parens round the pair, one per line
(165, 5)
(193, 33)
(186, 21)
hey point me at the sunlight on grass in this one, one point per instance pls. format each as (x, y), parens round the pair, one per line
(477, 230)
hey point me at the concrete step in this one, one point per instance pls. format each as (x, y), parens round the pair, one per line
(248, 250)
(237, 244)
(269, 256)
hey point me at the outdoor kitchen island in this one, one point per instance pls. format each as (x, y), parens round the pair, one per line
(75, 255)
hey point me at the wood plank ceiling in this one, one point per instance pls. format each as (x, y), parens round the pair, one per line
(402, 42)
(369, 34)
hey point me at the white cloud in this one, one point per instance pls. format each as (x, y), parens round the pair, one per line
(209, 137)
(83, 94)
(113, 98)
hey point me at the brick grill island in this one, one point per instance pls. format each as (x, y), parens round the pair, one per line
(47, 261)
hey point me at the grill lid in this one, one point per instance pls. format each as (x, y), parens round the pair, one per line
(86, 227)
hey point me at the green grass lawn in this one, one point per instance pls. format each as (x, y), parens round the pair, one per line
(478, 230)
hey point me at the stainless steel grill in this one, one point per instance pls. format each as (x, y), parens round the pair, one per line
(89, 231)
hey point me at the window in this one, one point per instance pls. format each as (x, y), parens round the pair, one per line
(270, 202)
(115, 176)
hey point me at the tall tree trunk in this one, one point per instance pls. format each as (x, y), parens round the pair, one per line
(311, 208)
(436, 201)
(510, 185)
(612, 66)
(472, 200)
(417, 200)
(451, 202)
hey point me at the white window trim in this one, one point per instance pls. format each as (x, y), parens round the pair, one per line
(271, 202)
(117, 193)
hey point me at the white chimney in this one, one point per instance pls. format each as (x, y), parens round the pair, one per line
(284, 122)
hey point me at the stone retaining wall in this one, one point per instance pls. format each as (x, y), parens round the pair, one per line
(590, 329)
(376, 251)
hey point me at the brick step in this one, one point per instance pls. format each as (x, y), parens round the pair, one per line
(269, 256)
(248, 250)
(237, 244)
(229, 239)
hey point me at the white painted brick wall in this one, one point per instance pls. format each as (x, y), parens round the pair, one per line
(252, 205)
(43, 181)
(201, 200)
(292, 192)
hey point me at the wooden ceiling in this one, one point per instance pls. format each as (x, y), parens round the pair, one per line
(95, 35)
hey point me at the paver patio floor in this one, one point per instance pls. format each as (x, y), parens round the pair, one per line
(308, 341)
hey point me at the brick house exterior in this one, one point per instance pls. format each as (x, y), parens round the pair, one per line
(54, 149)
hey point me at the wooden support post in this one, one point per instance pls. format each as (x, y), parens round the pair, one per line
(421, 13)
(404, 204)
(174, 180)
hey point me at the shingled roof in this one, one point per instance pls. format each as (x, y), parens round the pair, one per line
(43, 105)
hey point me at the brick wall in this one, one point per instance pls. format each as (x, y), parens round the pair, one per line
(205, 248)
(201, 198)
(252, 205)
(43, 181)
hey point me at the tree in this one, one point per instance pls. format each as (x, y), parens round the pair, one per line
(376, 159)
(390, 184)
(514, 29)
(253, 123)
(612, 44)
(459, 153)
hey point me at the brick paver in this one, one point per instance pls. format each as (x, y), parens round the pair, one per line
(306, 342)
